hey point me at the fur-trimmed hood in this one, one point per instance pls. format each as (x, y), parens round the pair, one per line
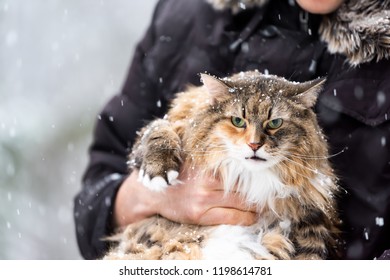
(360, 30)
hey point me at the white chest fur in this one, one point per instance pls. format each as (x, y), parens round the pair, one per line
(228, 242)
(259, 186)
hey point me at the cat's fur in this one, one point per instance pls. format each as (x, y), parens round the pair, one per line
(284, 171)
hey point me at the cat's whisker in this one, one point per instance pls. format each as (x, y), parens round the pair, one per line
(198, 153)
(205, 153)
(314, 170)
(295, 171)
(308, 167)
(313, 157)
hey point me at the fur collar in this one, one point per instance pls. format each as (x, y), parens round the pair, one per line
(360, 30)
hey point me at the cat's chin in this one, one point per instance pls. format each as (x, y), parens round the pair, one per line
(255, 158)
(256, 163)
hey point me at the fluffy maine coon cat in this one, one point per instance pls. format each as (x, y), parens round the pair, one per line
(259, 134)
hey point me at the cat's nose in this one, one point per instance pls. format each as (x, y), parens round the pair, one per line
(254, 146)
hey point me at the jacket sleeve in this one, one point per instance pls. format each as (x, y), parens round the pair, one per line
(113, 136)
(354, 112)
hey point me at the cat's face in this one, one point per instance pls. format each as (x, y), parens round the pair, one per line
(255, 133)
(263, 119)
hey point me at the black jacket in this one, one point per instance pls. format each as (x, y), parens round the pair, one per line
(189, 37)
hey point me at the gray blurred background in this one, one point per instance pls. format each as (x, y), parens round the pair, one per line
(60, 62)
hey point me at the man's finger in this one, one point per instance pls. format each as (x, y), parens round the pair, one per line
(229, 216)
(229, 200)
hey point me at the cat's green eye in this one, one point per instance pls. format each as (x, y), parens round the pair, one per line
(274, 124)
(238, 122)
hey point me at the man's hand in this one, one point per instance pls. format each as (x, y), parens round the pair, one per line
(197, 200)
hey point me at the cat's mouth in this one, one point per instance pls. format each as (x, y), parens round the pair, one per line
(256, 158)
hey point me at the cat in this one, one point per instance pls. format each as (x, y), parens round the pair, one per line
(257, 133)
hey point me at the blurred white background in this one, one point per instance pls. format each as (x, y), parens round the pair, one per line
(60, 62)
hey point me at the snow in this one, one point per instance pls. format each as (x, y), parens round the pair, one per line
(60, 63)
(10, 169)
(107, 201)
(381, 98)
(366, 234)
(11, 38)
(245, 47)
(55, 46)
(165, 39)
(379, 221)
(70, 147)
(242, 5)
(383, 141)
(359, 92)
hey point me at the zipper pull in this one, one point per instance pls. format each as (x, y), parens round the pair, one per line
(304, 20)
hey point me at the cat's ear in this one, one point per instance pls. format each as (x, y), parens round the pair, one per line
(218, 90)
(308, 92)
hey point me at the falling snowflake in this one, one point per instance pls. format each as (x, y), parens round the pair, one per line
(379, 221)
(383, 141)
(381, 98)
(366, 234)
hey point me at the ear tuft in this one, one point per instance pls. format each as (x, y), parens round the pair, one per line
(308, 92)
(216, 87)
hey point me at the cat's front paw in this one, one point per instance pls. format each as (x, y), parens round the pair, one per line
(158, 183)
